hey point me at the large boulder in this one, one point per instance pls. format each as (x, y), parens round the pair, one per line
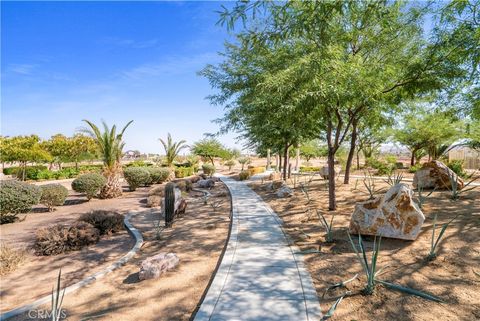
(324, 171)
(206, 183)
(153, 267)
(275, 176)
(435, 174)
(274, 185)
(393, 215)
(284, 191)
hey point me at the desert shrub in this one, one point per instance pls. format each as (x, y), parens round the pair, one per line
(457, 167)
(45, 174)
(244, 175)
(308, 169)
(83, 169)
(138, 163)
(382, 167)
(53, 195)
(106, 222)
(184, 185)
(61, 238)
(158, 175)
(89, 184)
(256, 170)
(230, 163)
(181, 172)
(414, 168)
(10, 258)
(17, 197)
(31, 172)
(136, 176)
(208, 169)
(68, 172)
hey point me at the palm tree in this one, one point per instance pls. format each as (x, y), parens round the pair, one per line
(110, 143)
(172, 149)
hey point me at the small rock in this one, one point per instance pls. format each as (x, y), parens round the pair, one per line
(435, 174)
(284, 191)
(393, 215)
(206, 183)
(153, 267)
(182, 207)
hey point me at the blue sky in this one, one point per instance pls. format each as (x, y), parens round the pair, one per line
(63, 62)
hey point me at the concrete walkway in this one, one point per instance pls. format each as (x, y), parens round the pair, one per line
(260, 277)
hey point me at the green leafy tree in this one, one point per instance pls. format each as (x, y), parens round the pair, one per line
(312, 149)
(210, 148)
(428, 131)
(59, 147)
(110, 145)
(24, 150)
(81, 148)
(172, 149)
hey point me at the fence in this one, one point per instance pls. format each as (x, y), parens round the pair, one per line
(470, 158)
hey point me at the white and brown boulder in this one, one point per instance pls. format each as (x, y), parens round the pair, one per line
(275, 176)
(206, 183)
(284, 191)
(435, 174)
(324, 171)
(393, 215)
(274, 185)
(153, 267)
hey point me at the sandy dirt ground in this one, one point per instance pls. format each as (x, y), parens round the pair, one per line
(451, 276)
(198, 238)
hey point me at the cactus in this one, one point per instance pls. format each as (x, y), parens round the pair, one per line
(169, 204)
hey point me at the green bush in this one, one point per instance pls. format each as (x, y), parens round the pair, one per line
(158, 175)
(31, 172)
(90, 169)
(307, 169)
(414, 168)
(61, 238)
(138, 163)
(45, 174)
(244, 175)
(457, 167)
(208, 169)
(17, 197)
(53, 195)
(382, 167)
(230, 163)
(68, 172)
(181, 172)
(89, 184)
(136, 176)
(106, 222)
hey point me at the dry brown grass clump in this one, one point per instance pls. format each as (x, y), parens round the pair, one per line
(64, 238)
(107, 222)
(10, 258)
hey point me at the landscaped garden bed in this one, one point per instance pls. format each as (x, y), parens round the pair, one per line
(452, 276)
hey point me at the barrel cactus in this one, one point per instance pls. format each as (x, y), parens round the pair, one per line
(169, 204)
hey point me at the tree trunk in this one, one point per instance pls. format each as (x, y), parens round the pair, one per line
(297, 160)
(268, 159)
(412, 159)
(332, 202)
(351, 153)
(358, 159)
(76, 165)
(112, 188)
(211, 160)
(285, 162)
(279, 168)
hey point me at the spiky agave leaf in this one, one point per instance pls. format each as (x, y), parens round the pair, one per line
(418, 293)
(332, 309)
(57, 301)
(339, 284)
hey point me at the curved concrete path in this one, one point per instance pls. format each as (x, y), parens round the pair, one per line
(260, 277)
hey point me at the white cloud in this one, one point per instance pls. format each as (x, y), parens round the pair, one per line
(131, 43)
(23, 69)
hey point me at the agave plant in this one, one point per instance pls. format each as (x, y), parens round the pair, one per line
(369, 183)
(394, 178)
(454, 188)
(433, 246)
(172, 149)
(328, 226)
(110, 143)
(371, 271)
(422, 197)
(57, 299)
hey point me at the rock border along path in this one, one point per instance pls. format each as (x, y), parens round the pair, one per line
(261, 276)
(100, 274)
